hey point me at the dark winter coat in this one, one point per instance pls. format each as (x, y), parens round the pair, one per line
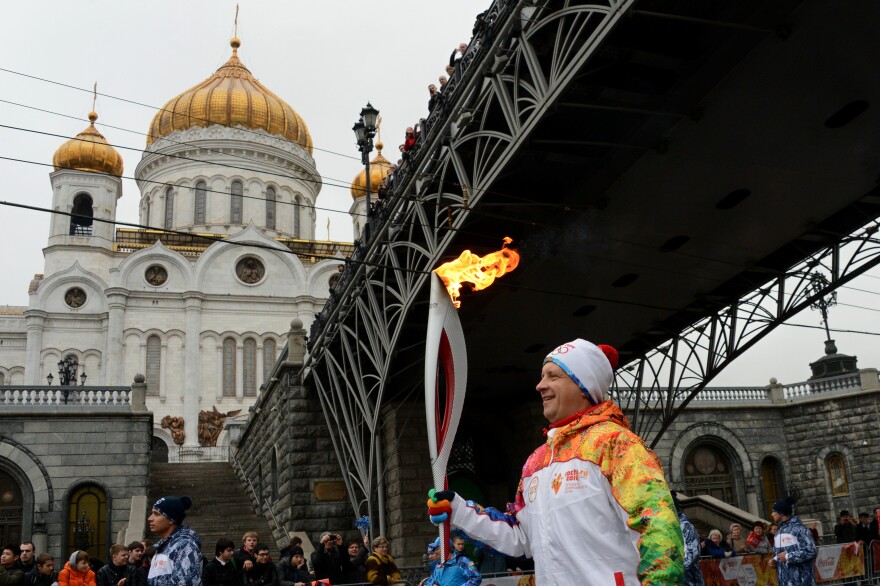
(327, 564)
(261, 574)
(110, 575)
(219, 574)
(353, 570)
(288, 575)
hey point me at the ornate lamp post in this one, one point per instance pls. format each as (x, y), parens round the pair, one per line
(67, 369)
(818, 283)
(364, 131)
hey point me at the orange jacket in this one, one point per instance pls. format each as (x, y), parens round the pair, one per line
(71, 577)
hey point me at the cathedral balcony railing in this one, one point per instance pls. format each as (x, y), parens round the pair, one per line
(59, 396)
(193, 245)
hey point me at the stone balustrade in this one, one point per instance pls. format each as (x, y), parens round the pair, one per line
(847, 382)
(48, 396)
(771, 393)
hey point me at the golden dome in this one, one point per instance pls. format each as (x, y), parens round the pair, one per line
(88, 151)
(379, 169)
(231, 97)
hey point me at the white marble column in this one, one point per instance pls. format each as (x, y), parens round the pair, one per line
(35, 319)
(116, 301)
(163, 371)
(239, 370)
(220, 372)
(259, 373)
(192, 367)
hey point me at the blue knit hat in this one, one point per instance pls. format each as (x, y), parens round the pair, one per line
(173, 508)
(785, 506)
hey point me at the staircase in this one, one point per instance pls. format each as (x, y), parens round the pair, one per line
(221, 506)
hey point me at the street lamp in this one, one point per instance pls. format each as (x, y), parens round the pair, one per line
(82, 379)
(49, 379)
(364, 131)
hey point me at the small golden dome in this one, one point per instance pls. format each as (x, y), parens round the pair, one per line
(231, 97)
(379, 169)
(88, 151)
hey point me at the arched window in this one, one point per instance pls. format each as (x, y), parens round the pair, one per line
(269, 354)
(249, 367)
(235, 208)
(772, 483)
(169, 208)
(154, 365)
(200, 203)
(81, 222)
(297, 213)
(270, 208)
(229, 367)
(87, 521)
(837, 475)
(11, 509)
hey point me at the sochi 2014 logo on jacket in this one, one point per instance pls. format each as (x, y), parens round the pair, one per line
(572, 480)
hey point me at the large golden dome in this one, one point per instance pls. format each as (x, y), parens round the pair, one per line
(231, 97)
(379, 169)
(88, 151)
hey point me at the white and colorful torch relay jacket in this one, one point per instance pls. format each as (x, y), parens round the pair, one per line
(592, 509)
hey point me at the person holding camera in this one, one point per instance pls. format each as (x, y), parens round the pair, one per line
(327, 559)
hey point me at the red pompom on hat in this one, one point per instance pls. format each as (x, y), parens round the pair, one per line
(610, 353)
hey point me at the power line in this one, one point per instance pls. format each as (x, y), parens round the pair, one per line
(165, 138)
(562, 207)
(830, 329)
(151, 107)
(310, 254)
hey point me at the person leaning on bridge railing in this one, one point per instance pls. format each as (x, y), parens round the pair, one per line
(592, 507)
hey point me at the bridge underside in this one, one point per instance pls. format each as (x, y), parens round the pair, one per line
(705, 148)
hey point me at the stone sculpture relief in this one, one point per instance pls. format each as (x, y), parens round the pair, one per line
(175, 426)
(211, 424)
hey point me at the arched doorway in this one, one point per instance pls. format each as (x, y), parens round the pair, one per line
(772, 483)
(87, 521)
(158, 451)
(11, 509)
(708, 470)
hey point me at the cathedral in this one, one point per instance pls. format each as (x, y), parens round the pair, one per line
(201, 304)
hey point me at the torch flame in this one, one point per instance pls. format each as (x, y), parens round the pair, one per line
(480, 272)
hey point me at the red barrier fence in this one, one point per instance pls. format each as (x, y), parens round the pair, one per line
(833, 562)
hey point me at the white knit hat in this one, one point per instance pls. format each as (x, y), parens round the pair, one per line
(591, 367)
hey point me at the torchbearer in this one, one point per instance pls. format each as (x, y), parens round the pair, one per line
(592, 507)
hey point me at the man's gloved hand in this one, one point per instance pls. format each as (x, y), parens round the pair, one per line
(439, 505)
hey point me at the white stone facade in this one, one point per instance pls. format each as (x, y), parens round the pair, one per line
(173, 312)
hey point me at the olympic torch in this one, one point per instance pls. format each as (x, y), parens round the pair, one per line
(446, 354)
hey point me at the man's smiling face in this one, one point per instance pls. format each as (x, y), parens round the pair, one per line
(560, 395)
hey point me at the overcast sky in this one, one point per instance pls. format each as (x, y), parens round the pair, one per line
(326, 59)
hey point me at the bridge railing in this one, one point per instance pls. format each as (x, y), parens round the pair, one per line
(434, 128)
(42, 396)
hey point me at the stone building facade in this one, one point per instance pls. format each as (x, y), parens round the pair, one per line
(74, 470)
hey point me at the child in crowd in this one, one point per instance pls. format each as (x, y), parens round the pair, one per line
(76, 571)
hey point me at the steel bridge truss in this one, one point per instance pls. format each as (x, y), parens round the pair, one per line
(654, 389)
(453, 165)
